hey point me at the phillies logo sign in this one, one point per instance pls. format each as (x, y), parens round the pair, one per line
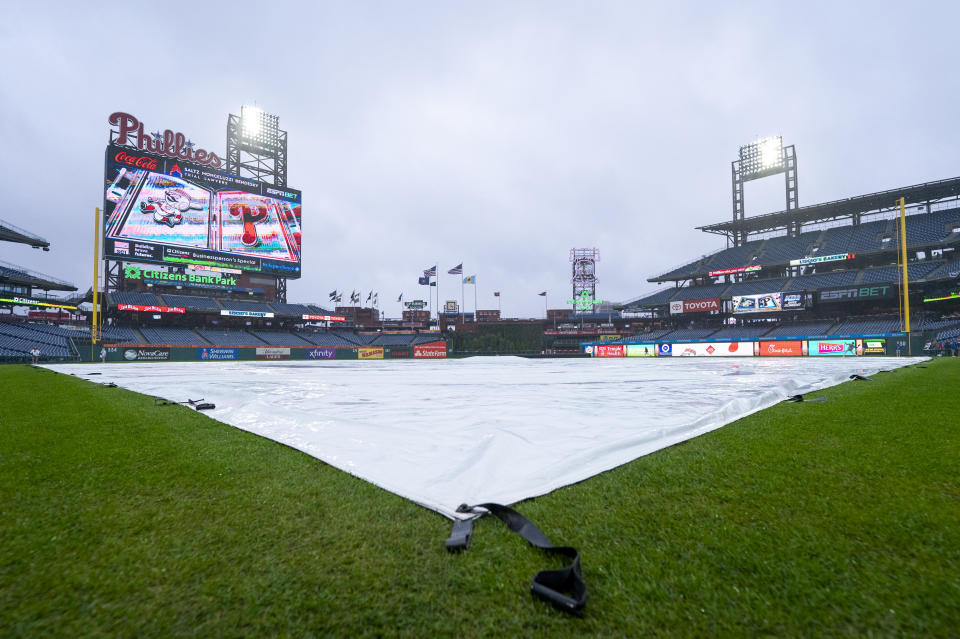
(129, 132)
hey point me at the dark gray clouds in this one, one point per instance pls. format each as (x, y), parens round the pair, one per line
(496, 134)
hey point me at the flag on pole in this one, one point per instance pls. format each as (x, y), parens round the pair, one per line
(339, 298)
(355, 297)
(430, 272)
(456, 270)
(400, 297)
(375, 295)
(333, 295)
(470, 279)
(496, 293)
(423, 281)
(544, 294)
(369, 296)
(433, 283)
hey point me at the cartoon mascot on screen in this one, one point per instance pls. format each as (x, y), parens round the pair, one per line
(171, 208)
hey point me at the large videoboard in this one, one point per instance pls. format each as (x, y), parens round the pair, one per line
(164, 210)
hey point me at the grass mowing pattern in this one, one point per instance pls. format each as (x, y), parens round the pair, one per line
(118, 517)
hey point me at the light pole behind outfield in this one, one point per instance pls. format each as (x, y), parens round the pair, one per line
(95, 317)
(905, 286)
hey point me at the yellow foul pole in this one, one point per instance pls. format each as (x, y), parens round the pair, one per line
(906, 280)
(94, 324)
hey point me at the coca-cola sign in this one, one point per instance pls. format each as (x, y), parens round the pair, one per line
(138, 161)
(129, 132)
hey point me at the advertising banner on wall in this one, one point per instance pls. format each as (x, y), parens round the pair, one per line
(273, 353)
(147, 354)
(609, 350)
(322, 353)
(641, 350)
(762, 303)
(169, 210)
(696, 306)
(716, 349)
(857, 293)
(871, 346)
(793, 301)
(738, 269)
(823, 258)
(785, 348)
(150, 308)
(832, 347)
(26, 301)
(324, 318)
(230, 313)
(664, 350)
(370, 352)
(432, 350)
(217, 354)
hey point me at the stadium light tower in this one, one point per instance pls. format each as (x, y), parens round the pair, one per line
(584, 278)
(256, 147)
(765, 157)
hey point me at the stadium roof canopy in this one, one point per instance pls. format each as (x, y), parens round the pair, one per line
(851, 207)
(11, 233)
(10, 273)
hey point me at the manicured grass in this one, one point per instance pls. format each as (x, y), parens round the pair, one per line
(118, 517)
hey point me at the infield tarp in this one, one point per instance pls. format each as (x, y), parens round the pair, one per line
(494, 429)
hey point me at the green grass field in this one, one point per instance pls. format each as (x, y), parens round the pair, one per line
(118, 517)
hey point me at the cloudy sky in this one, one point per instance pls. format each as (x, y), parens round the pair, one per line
(497, 134)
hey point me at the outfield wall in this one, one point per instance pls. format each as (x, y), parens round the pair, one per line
(163, 353)
(844, 346)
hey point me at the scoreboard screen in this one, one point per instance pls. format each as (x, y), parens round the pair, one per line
(164, 210)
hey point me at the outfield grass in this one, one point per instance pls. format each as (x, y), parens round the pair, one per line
(118, 517)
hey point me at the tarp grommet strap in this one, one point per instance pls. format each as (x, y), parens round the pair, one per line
(459, 538)
(564, 588)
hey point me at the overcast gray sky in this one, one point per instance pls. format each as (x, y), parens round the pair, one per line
(497, 134)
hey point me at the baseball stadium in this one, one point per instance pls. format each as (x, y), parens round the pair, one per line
(759, 441)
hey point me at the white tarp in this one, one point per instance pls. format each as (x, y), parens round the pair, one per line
(497, 429)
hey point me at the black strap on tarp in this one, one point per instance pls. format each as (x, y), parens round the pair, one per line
(564, 588)
(199, 404)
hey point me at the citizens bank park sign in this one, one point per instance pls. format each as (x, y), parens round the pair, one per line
(695, 306)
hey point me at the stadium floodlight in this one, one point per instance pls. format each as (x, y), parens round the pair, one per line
(256, 147)
(250, 120)
(258, 129)
(762, 157)
(771, 152)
